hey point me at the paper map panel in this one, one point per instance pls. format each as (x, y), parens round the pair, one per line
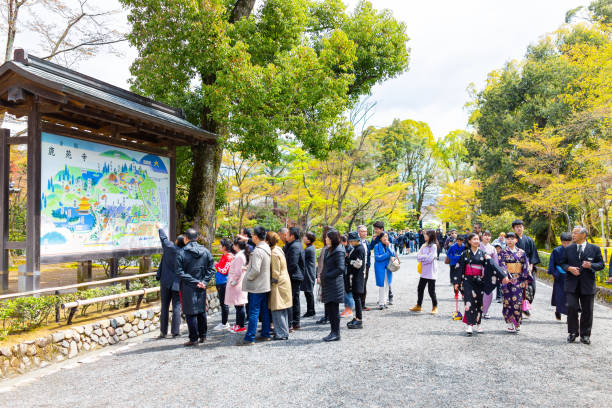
(99, 198)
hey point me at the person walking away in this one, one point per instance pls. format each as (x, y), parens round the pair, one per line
(281, 297)
(362, 230)
(310, 273)
(528, 245)
(382, 254)
(558, 299)
(349, 303)
(222, 268)
(490, 250)
(453, 255)
(355, 277)
(257, 283)
(195, 268)
(332, 278)
(320, 266)
(581, 260)
(169, 285)
(294, 255)
(479, 275)
(427, 255)
(234, 295)
(515, 263)
(440, 241)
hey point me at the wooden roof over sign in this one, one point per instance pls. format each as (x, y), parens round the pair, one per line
(74, 104)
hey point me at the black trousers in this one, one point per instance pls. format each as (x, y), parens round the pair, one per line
(358, 309)
(295, 294)
(197, 326)
(365, 287)
(332, 310)
(310, 302)
(240, 315)
(575, 302)
(431, 288)
(170, 296)
(224, 308)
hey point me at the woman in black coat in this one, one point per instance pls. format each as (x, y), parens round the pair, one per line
(355, 277)
(332, 279)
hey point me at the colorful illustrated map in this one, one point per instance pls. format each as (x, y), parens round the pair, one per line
(99, 198)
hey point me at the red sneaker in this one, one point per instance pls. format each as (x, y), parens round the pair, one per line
(240, 330)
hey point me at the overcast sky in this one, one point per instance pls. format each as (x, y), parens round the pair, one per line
(453, 43)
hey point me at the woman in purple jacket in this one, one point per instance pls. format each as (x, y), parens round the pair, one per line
(429, 273)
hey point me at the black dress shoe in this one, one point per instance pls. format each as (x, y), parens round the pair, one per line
(202, 340)
(355, 324)
(331, 337)
(557, 315)
(323, 320)
(585, 340)
(276, 338)
(571, 338)
(309, 314)
(191, 344)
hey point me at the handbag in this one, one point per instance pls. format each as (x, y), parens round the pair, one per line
(447, 260)
(394, 264)
(526, 305)
(420, 268)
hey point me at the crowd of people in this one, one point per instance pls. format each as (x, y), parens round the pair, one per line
(263, 273)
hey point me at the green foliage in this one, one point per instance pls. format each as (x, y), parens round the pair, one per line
(266, 218)
(498, 223)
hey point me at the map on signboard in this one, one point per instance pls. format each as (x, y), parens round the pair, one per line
(99, 198)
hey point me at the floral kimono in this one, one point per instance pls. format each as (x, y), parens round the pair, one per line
(516, 265)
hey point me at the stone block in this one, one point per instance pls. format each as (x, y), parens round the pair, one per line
(86, 346)
(96, 326)
(98, 332)
(116, 338)
(147, 323)
(94, 338)
(6, 351)
(88, 330)
(31, 350)
(123, 337)
(79, 329)
(119, 331)
(26, 362)
(23, 349)
(150, 314)
(129, 318)
(146, 330)
(127, 328)
(103, 341)
(135, 322)
(120, 321)
(73, 350)
(113, 323)
(42, 342)
(141, 325)
(110, 331)
(59, 358)
(111, 340)
(36, 361)
(64, 351)
(105, 332)
(104, 324)
(132, 334)
(65, 343)
(139, 333)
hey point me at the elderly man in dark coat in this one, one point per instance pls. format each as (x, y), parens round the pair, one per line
(169, 285)
(294, 254)
(195, 268)
(332, 282)
(310, 273)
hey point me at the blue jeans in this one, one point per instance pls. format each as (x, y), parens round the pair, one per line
(258, 303)
(411, 246)
(349, 301)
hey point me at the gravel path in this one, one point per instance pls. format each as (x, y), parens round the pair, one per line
(398, 359)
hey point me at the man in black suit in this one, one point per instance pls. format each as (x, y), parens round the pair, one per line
(581, 260)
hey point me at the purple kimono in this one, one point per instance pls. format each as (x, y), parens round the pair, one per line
(513, 292)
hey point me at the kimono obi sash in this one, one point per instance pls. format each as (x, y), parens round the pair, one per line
(514, 268)
(473, 270)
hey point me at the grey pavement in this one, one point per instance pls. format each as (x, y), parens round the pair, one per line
(399, 359)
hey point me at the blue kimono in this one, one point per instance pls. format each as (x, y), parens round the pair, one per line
(554, 268)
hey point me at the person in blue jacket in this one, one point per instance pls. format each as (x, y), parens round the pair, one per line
(554, 268)
(453, 254)
(383, 251)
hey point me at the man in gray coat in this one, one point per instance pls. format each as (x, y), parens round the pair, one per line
(195, 268)
(257, 282)
(169, 284)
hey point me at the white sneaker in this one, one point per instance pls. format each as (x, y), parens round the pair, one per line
(479, 329)
(511, 328)
(221, 327)
(468, 330)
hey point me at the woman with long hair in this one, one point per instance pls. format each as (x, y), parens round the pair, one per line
(515, 263)
(427, 256)
(332, 278)
(320, 264)
(234, 294)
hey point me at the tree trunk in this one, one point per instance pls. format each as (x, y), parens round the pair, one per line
(200, 208)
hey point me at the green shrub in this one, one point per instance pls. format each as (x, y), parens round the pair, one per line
(544, 258)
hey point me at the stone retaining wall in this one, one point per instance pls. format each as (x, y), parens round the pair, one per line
(66, 344)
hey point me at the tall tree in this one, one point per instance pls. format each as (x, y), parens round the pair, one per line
(289, 70)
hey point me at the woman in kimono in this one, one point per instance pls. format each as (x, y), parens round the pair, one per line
(516, 265)
(492, 252)
(479, 275)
